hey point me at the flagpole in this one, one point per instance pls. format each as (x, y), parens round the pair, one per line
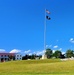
(44, 55)
(45, 33)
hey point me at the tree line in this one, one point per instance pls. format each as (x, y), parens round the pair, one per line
(58, 54)
(33, 56)
(50, 54)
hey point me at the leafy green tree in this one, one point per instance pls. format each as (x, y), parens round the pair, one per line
(73, 53)
(69, 53)
(11, 57)
(57, 54)
(33, 56)
(40, 56)
(48, 53)
(25, 57)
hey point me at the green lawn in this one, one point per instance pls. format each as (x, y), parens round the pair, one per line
(37, 67)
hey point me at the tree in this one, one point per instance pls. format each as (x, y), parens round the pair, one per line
(62, 56)
(57, 54)
(48, 53)
(33, 56)
(69, 53)
(40, 56)
(11, 57)
(25, 57)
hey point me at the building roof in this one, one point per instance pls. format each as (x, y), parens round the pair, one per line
(7, 54)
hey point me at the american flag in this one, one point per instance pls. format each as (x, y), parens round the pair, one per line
(47, 11)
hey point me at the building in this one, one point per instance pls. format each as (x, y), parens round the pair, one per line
(18, 56)
(10, 56)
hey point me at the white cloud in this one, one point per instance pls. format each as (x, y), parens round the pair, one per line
(53, 51)
(71, 40)
(55, 46)
(40, 52)
(37, 52)
(15, 51)
(27, 51)
(48, 46)
(30, 54)
(2, 50)
(60, 49)
(63, 52)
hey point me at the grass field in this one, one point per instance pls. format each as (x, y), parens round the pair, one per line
(37, 67)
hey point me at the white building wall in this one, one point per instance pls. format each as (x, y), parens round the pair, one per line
(18, 57)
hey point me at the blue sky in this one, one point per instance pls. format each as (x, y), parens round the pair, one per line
(22, 25)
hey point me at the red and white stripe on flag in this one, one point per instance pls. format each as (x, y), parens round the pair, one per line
(47, 11)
